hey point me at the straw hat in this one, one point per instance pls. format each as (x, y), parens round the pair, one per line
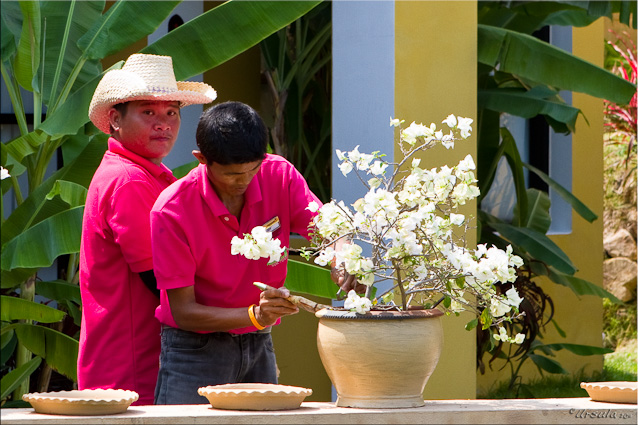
(144, 77)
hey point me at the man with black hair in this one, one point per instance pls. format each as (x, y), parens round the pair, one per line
(216, 323)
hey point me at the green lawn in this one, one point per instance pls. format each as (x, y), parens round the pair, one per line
(620, 365)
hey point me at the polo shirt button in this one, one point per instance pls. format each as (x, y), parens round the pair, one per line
(226, 218)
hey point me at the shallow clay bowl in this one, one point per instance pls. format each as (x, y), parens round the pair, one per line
(254, 396)
(613, 392)
(82, 402)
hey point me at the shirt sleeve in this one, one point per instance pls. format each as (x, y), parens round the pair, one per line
(300, 197)
(173, 261)
(130, 223)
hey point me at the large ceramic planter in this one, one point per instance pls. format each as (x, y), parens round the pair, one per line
(382, 359)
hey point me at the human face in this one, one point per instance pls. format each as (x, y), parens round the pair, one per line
(232, 180)
(149, 128)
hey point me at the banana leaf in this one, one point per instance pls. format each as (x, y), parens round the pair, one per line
(59, 290)
(577, 285)
(13, 379)
(184, 169)
(13, 278)
(547, 364)
(72, 193)
(14, 308)
(576, 204)
(11, 18)
(27, 58)
(581, 350)
(528, 57)
(508, 149)
(538, 217)
(5, 341)
(70, 116)
(33, 209)
(535, 243)
(64, 65)
(224, 31)
(310, 279)
(41, 244)
(105, 37)
(59, 350)
(23, 146)
(527, 104)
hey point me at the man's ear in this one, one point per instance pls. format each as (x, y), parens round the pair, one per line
(200, 157)
(114, 118)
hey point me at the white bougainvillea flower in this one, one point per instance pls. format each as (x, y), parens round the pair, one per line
(325, 256)
(341, 155)
(5, 173)
(519, 338)
(374, 182)
(378, 168)
(457, 219)
(354, 155)
(450, 121)
(345, 167)
(466, 164)
(465, 126)
(448, 141)
(513, 298)
(258, 244)
(313, 207)
(395, 122)
(354, 302)
(502, 335)
(498, 308)
(364, 161)
(413, 132)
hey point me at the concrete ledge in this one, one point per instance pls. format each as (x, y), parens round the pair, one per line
(517, 411)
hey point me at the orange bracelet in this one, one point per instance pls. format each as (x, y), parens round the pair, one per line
(251, 314)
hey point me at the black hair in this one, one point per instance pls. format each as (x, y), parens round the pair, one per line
(121, 108)
(231, 133)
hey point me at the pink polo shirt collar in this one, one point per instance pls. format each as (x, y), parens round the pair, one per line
(157, 171)
(252, 195)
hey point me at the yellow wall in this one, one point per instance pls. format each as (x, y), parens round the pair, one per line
(579, 316)
(435, 75)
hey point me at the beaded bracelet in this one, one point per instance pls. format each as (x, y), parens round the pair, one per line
(251, 314)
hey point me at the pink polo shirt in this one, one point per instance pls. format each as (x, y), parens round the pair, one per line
(191, 230)
(119, 337)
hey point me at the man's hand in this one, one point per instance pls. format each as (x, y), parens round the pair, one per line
(346, 281)
(273, 305)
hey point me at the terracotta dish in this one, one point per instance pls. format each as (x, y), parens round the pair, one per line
(613, 392)
(84, 403)
(254, 396)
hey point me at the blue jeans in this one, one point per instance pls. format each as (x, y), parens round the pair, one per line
(190, 360)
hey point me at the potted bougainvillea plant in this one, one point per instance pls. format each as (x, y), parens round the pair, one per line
(406, 241)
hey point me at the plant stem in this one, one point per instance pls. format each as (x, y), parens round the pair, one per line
(23, 355)
(404, 299)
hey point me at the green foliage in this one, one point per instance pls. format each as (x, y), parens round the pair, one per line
(622, 365)
(309, 279)
(618, 366)
(298, 73)
(521, 75)
(550, 386)
(619, 323)
(52, 51)
(542, 355)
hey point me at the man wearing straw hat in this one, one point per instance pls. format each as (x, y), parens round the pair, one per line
(139, 107)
